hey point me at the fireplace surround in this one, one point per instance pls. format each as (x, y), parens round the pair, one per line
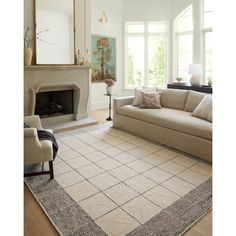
(43, 79)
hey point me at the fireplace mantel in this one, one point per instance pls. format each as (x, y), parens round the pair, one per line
(57, 67)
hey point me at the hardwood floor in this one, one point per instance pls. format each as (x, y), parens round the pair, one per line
(36, 222)
(202, 228)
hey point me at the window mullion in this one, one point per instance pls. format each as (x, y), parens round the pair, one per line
(145, 55)
(176, 56)
(204, 56)
(183, 39)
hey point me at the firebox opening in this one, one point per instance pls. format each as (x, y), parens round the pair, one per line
(54, 103)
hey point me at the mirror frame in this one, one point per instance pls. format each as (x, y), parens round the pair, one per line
(35, 41)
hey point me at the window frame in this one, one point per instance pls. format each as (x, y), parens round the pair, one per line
(146, 36)
(204, 30)
(176, 35)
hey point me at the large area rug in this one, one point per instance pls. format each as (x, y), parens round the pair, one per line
(109, 182)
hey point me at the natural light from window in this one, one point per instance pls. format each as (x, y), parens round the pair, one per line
(183, 43)
(208, 39)
(146, 54)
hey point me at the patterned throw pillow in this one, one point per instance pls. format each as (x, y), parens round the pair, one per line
(150, 100)
(204, 109)
(138, 91)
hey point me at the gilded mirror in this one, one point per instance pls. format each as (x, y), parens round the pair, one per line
(54, 31)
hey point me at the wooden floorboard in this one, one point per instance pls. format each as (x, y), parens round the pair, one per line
(36, 222)
(202, 228)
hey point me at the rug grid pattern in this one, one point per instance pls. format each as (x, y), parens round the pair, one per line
(122, 181)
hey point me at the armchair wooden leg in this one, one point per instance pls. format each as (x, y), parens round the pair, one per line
(51, 169)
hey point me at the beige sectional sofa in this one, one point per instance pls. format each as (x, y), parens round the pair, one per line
(172, 125)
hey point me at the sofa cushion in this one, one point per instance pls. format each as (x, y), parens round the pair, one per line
(178, 120)
(193, 99)
(150, 100)
(173, 98)
(204, 109)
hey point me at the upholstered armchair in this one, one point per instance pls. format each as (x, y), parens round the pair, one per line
(36, 151)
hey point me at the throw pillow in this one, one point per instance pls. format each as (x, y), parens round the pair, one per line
(150, 100)
(193, 100)
(204, 109)
(137, 97)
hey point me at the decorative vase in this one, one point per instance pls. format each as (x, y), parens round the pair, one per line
(209, 83)
(109, 90)
(28, 54)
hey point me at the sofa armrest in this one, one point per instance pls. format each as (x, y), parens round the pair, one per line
(122, 101)
(33, 121)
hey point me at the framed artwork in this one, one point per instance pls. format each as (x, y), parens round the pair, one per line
(103, 58)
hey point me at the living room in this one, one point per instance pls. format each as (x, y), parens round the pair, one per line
(118, 127)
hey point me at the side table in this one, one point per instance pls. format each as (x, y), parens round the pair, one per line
(109, 95)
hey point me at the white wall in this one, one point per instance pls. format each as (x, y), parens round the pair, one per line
(177, 6)
(146, 10)
(114, 13)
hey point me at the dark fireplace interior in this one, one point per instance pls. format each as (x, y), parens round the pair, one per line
(54, 103)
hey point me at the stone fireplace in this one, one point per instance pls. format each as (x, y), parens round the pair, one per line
(65, 89)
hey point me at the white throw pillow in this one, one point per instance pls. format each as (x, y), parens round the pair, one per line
(204, 109)
(137, 93)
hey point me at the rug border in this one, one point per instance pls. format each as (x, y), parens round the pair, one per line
(60, 233)
(188, 228)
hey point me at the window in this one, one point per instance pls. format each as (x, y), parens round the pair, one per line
(208, 55)
(146, 54)
(183, 43)
(207, 40)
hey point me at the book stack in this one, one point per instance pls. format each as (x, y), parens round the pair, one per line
(180, 83)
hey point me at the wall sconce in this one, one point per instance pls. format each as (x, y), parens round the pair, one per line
(103, 19)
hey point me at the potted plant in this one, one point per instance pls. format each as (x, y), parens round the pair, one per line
(209, 81)
(109, 84)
